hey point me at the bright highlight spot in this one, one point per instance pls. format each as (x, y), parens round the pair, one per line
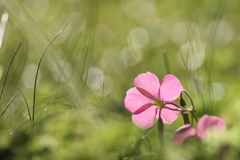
(3, 26)
(94, 78)
(218, 91)
(100, 84)
(224, 32)
(139, 37)
(131, 56)
(105, 88)
(140, 9)
(29, 75)
(184, 31)
(1, 71)
(191, 54)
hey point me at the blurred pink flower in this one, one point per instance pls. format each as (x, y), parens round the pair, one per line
(205, 124)
(147, 97)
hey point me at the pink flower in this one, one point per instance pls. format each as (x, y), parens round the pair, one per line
(147, 97)
(205, 124)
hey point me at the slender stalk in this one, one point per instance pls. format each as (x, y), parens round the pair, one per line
(10, 121)
(8, 104)
(166, 61)
(184, 114)
(10, 64)
(194, 116)
(192, 120)
(190, 98)
(44, 110)
(171, 108)
(180, 107)
(160, 127)
(28, 109)
(36, 76)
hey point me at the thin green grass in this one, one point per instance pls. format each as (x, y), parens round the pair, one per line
(8, 104)
(36, 77)
(210, 53)
(205, 71)
(5, 80)
(28, 109)
(8, 69)
(166, 61)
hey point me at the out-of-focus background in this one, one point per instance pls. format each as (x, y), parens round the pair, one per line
(86, 71)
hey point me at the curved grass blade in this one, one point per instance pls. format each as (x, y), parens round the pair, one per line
(36, 76)
(8, 104)
(44, 110)
(28, 109)
(10, 64)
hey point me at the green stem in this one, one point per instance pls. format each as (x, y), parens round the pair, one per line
(185, 118)
(160, 127)
(194, 116)
(28, 109)
(161, 132)
(190, 98)
(166, 61)
(8, 104)
(179, 106)
(170, 108)
(36, 76)
(10, 64)
(184, 114)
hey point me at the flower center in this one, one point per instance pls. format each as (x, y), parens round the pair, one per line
(158, 103)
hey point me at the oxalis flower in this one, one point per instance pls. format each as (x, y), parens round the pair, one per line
(205, 124)
(148, 96)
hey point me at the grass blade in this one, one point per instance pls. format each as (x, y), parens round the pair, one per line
(36, 76)
(10, 64)
(8, 104)
(28, 109)
(166, 61)
(45, 109)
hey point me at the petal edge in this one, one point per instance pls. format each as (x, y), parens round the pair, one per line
(170, 88)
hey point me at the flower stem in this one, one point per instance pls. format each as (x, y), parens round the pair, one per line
(194, 116)
(163, 106)
(160, 127)
(189, 97)
(184, 114)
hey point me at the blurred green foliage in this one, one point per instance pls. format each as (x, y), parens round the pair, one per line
(88, 68)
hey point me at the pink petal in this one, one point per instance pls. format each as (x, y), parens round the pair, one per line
(135, 100)
(143, 108)
(145, 119)
(148, 84)
(207, 123)
(170, 88)
(145, 93)
(168, 116)
(182, 133)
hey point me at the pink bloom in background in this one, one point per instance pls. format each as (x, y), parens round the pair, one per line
(205, 124)
(147, 97)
